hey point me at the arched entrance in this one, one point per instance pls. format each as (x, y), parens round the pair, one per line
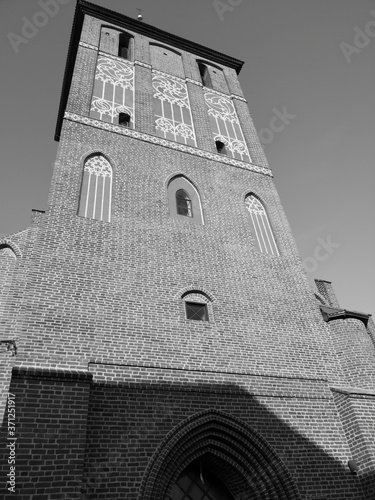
(236, 461)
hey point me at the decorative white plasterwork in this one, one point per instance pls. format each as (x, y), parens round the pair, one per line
(113, 90)
(238, 97)
(145, 65)
(225, 125)
(164, 142)
(106, 54)
(261, 225)
(170, 120)
(88, 46)
(233, 96)
(194, 82)
(96, 193)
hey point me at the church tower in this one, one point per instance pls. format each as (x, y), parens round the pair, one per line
(169, 345)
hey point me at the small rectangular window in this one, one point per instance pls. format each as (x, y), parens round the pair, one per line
(220, 147)
(124, 119)
(196, 311)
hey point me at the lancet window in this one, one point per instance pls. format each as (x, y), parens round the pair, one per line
(113, 94)
(96, 189)
(261, 226)
(225, 126)
(173, 118)
(184, 200)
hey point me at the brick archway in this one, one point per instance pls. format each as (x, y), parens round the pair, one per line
(228, 449)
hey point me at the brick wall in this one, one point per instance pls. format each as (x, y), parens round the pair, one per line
(51, 414)
(133, 410)
(356, 352)
(356, 410)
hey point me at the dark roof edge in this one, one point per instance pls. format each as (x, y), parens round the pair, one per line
(332, 313)
(86, 8)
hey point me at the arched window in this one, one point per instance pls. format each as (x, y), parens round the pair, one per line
(184, 201)
(261, 226)
(96, 190)
(198, 306)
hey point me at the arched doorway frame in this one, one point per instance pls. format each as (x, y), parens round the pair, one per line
(255, 469)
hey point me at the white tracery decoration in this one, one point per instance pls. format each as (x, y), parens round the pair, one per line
(261, 226)
(225, 125)
(96, 190)
(113, 90)
(172, 110)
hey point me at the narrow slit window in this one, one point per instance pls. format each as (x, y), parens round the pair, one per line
(124, 46)
(196, 311)
(183, 203)
(205, 75)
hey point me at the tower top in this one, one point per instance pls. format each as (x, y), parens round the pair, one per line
(86, 8)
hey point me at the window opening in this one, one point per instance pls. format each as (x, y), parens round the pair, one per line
(205, 75)
(124, 119)
(183, 203)
(220, 146)
(124, 46)
(196, 311)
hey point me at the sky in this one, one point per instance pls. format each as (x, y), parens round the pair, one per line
(309, 62)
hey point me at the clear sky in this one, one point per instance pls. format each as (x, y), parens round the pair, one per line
(312, 62)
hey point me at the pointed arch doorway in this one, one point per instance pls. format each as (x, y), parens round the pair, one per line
(213, 456)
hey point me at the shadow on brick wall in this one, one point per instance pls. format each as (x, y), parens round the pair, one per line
(128, 422)
(112, 453)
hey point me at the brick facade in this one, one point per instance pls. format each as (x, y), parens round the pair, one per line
(111, 379)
